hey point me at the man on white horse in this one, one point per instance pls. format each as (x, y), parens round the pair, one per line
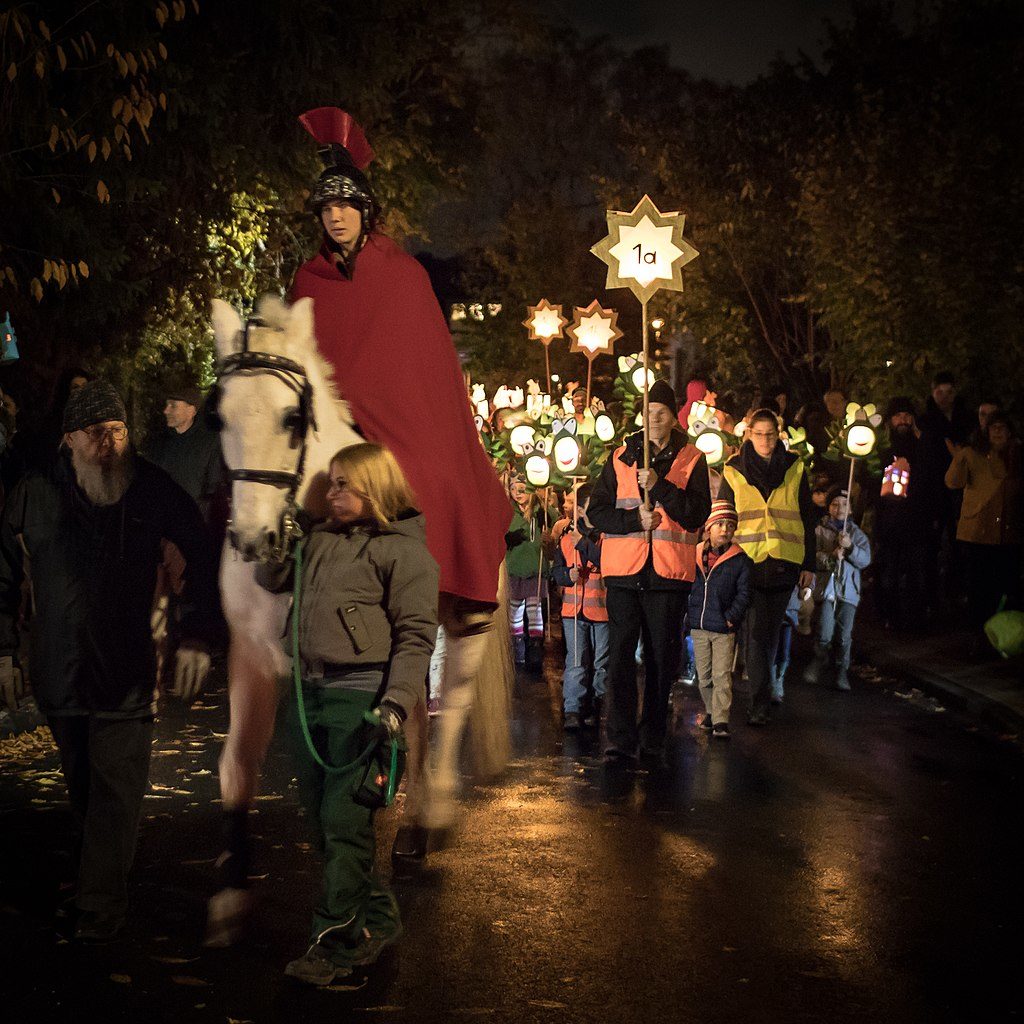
(379, 324)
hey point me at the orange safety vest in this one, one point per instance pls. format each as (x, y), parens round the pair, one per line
(592, 592)
(674, 548)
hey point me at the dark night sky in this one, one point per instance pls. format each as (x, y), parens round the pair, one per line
(728, 40)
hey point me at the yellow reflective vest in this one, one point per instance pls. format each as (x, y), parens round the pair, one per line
(772, 528)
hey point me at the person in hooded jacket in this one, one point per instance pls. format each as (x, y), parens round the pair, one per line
(769, 488)
(844, 552)
(367, 621)
(648, 561)
(89, 530)
(718, 604)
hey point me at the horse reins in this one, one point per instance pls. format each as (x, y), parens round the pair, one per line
(295, 377)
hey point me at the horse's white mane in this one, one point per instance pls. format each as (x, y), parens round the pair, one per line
(275, 311)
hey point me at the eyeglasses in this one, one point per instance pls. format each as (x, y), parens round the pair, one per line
(764, 435)
(97, 433)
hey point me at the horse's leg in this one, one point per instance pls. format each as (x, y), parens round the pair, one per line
(254, 662)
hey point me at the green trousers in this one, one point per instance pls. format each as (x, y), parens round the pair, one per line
(353, 897)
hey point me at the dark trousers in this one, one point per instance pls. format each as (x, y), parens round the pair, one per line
(765, 617)
(105, 763)
(992, 571)
(657, 616)
(902, 567)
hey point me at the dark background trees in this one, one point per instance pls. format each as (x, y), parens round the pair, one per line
(859, 218)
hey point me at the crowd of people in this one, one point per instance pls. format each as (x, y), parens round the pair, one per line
(657, 555)
(768, 544)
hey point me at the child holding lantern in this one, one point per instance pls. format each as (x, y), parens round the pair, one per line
(577, 569)
(843, 551)
(527, 536)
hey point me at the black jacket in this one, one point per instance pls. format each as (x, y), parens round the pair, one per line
(93, 572)
(689, 507)
(193, 461)
(766, 475)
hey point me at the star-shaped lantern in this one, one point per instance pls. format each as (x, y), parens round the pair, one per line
(544, 322)
(594, 331)
(645, 250)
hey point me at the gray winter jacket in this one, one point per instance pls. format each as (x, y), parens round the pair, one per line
(840, 579)
(369, 597)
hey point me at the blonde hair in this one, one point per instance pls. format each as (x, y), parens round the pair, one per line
(373, 473)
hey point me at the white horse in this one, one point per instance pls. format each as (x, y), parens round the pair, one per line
(281, 422)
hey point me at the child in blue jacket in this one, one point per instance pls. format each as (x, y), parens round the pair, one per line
(842, 555)
(718, 601)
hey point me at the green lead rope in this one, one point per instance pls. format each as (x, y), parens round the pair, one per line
(368, 716)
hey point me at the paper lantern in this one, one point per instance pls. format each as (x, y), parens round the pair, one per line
(594, 330)
(521, 436)
(604, 428)
(712, 444)
(567, 454)
(544, 322)
(538, 471)
(860, 440)
(645, 250)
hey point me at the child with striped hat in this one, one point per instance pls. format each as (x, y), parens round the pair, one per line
(718, 602)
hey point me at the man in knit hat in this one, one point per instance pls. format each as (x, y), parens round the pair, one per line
(91, 527)
(718, 602)
(651, 521)
(190, 452)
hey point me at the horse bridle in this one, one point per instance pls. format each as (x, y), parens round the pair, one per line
(294, 375)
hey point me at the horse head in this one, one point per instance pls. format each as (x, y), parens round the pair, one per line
(263, 408)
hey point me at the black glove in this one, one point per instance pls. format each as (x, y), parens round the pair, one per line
(514, 538)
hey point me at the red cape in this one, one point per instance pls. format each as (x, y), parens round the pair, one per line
(394, 363)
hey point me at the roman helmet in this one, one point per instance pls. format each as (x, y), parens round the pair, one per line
(346, 155)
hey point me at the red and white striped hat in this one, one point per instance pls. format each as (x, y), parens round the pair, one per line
(722, 511)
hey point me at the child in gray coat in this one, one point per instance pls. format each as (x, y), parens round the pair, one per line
(842, 553)
(367, 621)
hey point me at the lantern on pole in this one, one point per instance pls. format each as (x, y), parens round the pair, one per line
(594, 332)
(645, 251)
(545, 322)
(859, 438)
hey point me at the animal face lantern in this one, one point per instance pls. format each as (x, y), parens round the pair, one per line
(860, 435)
(566, 449)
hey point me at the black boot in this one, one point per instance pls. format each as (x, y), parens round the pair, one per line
(519, 649)
(534, 654)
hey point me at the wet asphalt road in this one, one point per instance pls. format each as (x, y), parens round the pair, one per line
(859, 861)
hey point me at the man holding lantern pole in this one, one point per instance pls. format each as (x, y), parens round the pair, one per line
(651, 520)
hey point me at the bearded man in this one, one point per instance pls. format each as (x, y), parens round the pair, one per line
(91, 528)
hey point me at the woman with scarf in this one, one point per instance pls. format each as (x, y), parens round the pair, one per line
(777, 517)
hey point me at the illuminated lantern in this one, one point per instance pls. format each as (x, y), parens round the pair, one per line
(538, 471)
(544, 323)
(896, 479)
(604, 428)
(712, 444)
(645, 250)
(860, 435)
(567, 454)
(566, 449)
(8, 341)
(521, 436)
(588, 427)
(860, 440)
(637, 379)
